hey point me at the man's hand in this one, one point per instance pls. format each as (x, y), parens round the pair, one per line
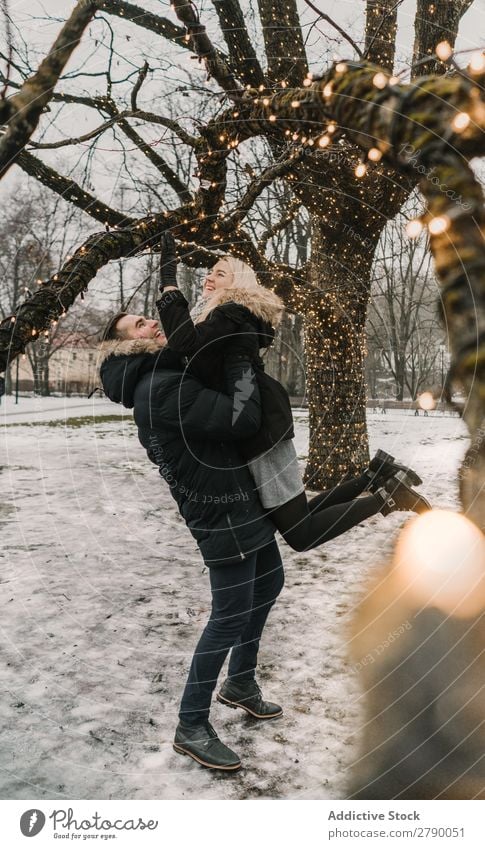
(168, 263)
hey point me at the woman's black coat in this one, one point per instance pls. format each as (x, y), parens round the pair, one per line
(203, 346)
(191, 433)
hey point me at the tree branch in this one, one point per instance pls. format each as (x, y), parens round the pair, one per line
(70, 191)
(435, 22)
(160, 164)
(282, 224)
(136, 88)
(335, 25)
(215, 64)
(149, 117)
(285, 50)
(271, 173)
(380, 32)
(55, 296)
(241, 51)
(147, 20)
(26, 107)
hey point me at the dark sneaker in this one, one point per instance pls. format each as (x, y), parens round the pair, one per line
(383, 466)
(201, 743)
(397, 495)
(248, 696)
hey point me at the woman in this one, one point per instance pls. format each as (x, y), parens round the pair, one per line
(234, 297)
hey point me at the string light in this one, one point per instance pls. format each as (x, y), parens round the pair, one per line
(380, 80)
(414, 228)
(361, 170)
(375, 155)
(444, 51)
(439, 225)
(461, 121)
(440, 562)
(427, 401)
(477, 62)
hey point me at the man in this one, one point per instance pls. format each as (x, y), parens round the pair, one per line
(191, 432)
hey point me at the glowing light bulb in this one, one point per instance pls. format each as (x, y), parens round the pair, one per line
(380, 80)
(361, 170)
(375, 155)
(438, 225)
(331, 127)
(440, 562)
(323, 141)
(426, 401)
(328, 90)
(443, 50)
(477, 62)
(341, 67)
(460, 122)
(414, 228)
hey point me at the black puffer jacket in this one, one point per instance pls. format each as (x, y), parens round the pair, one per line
(203, 345)
(190, 432)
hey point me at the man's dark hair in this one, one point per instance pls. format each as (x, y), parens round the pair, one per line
(110, 331)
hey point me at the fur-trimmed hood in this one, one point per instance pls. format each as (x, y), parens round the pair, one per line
(123, 362)
(262, 302)
(126, 347)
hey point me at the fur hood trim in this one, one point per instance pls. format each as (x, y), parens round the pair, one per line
(262, 302)
(120, 347)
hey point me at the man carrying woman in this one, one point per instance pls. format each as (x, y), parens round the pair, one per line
(220, 431)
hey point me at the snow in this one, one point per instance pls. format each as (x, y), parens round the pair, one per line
(35, 408)
(103, 597)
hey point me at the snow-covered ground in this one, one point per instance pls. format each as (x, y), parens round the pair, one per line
(31, 408)
(103, 596)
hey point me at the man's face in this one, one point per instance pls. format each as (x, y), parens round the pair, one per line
(139, 327)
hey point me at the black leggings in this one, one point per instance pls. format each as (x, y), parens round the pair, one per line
(306, 524)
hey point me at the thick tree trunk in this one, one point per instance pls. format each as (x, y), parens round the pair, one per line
(335, 354)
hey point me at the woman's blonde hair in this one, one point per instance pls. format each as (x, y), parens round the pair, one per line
(243, 275)
(263, 302)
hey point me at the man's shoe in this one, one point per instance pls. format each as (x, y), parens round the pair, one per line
(248, 696)
(383, 466)
(397, 495)
(201, 743)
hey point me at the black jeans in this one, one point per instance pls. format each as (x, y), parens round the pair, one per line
(242, 596)
(306, 524)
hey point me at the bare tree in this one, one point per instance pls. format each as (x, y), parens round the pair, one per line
(36, 233)
(401, 324)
